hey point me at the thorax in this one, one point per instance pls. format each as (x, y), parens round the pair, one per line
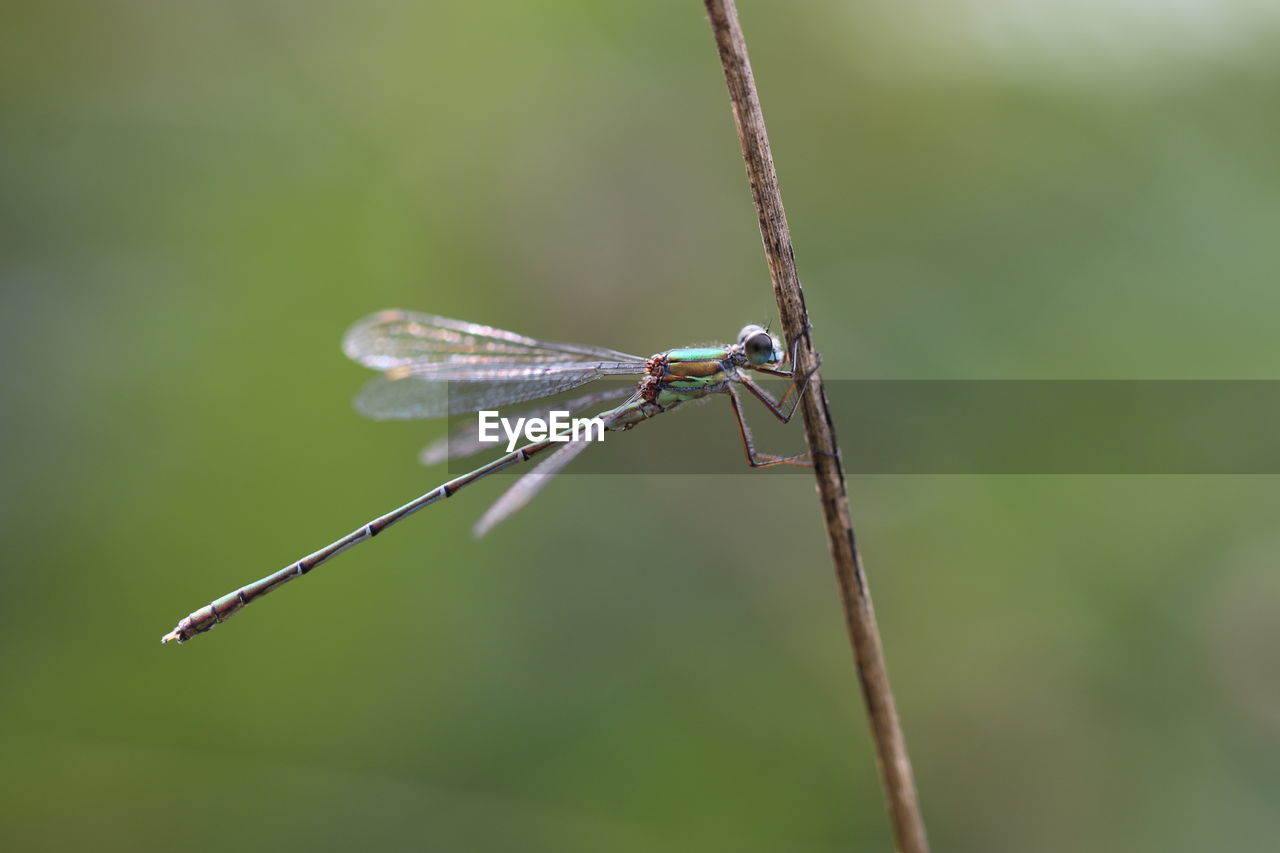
(685, 374)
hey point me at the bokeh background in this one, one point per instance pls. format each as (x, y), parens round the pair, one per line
(198, 198)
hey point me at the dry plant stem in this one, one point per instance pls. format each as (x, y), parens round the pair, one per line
(890, 746)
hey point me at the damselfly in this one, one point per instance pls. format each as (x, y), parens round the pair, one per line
(434, 366)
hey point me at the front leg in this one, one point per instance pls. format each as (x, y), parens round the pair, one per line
(763, 396)
(771, 404)
(760, 460)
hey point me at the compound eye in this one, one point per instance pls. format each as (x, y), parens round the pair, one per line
(758, 348)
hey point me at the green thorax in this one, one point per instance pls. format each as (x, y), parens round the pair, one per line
(691, 373)
(698, 354)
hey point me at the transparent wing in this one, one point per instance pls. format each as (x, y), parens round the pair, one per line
(465, 441)
(402, 395)
(396, 339)
(527, 486)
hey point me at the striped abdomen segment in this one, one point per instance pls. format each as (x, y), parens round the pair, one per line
(224, 608)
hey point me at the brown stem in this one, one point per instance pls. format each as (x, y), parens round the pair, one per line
(890, 746)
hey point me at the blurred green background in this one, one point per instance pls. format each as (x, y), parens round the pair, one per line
(198, 198)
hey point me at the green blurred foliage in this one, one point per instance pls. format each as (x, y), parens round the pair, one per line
(199, 197)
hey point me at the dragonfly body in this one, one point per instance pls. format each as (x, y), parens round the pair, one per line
(436, 366)
(686, 374)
